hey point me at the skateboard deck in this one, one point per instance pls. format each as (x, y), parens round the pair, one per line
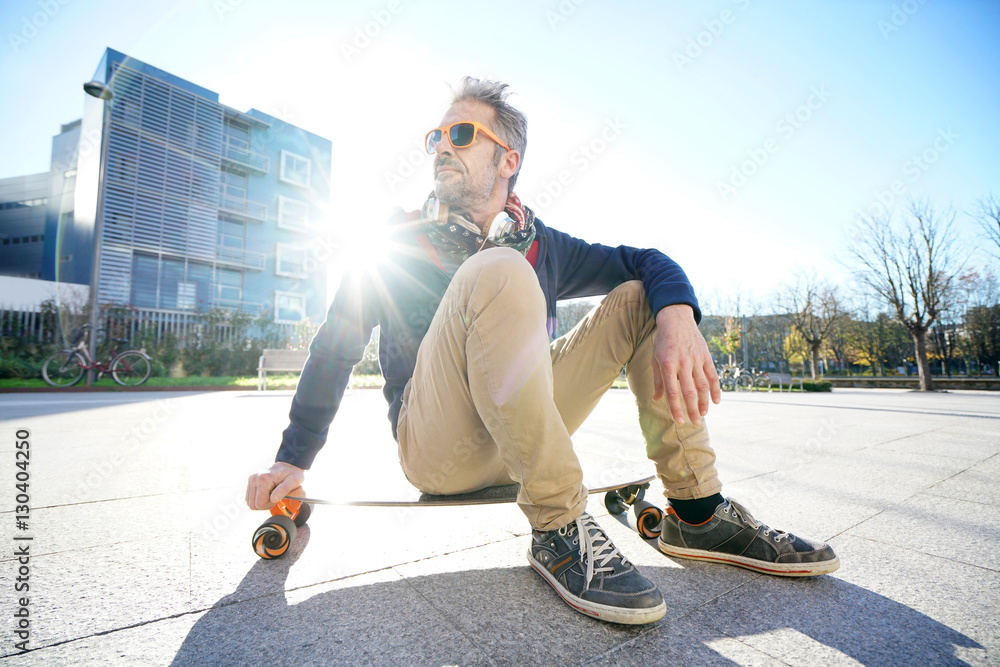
(371, 477)
(488, 496)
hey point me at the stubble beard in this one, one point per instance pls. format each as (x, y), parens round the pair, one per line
(459, 192)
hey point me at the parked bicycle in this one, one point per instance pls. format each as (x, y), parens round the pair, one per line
(734, 378)
(760, 379)
(65, 368)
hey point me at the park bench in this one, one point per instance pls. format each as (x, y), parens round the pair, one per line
(279, 361)
(784, 378)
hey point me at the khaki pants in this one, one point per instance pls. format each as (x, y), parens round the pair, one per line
(492, 401)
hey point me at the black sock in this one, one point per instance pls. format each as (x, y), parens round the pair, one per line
(699, 510)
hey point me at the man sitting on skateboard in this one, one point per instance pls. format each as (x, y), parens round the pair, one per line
(479, 396)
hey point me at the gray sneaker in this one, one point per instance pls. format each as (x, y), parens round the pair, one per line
(592, 576)
(734, 537)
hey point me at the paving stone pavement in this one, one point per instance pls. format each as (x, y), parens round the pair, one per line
(141, 541)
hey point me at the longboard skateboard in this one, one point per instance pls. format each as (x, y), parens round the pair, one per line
(273, 538)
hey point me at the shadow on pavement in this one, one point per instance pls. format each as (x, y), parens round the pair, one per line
(510, 616)
(42, 404)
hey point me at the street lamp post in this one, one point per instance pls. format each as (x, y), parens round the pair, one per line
(102, 92)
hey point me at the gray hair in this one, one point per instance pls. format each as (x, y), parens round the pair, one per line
(509, 123)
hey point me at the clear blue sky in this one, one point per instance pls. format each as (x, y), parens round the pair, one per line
(808, 111)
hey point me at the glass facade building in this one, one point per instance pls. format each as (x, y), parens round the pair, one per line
(23, 203)
(189, 204)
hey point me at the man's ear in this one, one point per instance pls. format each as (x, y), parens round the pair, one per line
(509, 163)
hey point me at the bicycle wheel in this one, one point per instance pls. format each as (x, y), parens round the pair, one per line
(131, 368)
(728, 384)
(744, 383)
(62, 369)
(762, 382)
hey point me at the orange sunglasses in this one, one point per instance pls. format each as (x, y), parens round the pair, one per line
(460, 134)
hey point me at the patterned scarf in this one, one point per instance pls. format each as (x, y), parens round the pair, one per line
(451, 230)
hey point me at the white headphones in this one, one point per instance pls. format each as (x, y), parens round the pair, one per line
(501, 225)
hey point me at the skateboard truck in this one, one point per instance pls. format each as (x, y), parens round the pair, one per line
(648, 516)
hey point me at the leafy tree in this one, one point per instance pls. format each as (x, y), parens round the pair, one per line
(983, 327)
(796, 348)
(980, 296)
(877, 341)
(729, 341)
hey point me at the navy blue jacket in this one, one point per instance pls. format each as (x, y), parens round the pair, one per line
(401, 294)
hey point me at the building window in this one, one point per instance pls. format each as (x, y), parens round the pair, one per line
(200, 275)
(187, 293)
(168, 282)
(289, 261)
(145, 276)
(172, 272)
(295, 169)
(230, 239)
(237, 136)
(293, 214)
(289, 308)
(229, 286)
(25, 203)
(234, 186)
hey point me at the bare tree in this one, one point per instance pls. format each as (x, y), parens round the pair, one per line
(815, 309)
(569, 314)
(913, 267)
(988, 214)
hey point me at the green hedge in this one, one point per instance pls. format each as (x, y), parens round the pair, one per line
(808, 385)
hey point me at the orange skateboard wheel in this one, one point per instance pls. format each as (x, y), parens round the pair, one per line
(274, 537)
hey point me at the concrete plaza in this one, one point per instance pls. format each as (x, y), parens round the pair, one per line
(141, 541)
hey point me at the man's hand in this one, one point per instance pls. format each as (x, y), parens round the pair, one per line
(682, 365)
(266, 488)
